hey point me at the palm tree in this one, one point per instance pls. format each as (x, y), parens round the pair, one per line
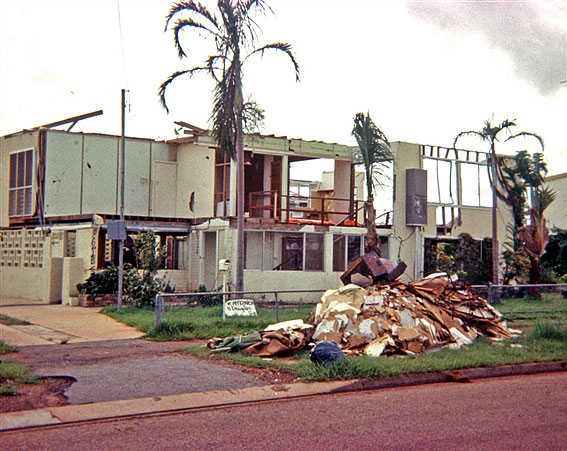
(535, 235)
(500, 185)
(526, 177)
(234, 32)
(375, 152)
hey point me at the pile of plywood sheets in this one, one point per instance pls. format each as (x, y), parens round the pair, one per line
(405, 318)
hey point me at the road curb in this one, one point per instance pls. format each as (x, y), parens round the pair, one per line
(191, 401)
(455, 376)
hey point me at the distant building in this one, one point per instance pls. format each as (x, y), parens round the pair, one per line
(556, 213)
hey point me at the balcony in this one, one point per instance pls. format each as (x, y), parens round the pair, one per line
(320, 209)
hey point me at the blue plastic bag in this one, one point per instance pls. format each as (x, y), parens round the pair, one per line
(326, 353)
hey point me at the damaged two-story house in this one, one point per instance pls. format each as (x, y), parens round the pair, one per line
(60, 189)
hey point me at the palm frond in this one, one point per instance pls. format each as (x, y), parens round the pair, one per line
(374, 148)
(282, 47)
(469, 133)
(507, 123)
(210, 63)
(166, 83)
(253, 116)
(533, 135)
(543, 199)
(534, 238)
(191, 7)
(180, 25)
(260, 5)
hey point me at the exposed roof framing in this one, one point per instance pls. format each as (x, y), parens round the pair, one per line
(443, 153)
(72, 120)
(190, 129)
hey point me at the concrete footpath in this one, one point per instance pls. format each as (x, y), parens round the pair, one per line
(106, 359)
(56, 324)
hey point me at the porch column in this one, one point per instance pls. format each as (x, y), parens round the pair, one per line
(201, 257)
(285, 186)
(328, 253)
(231, 208)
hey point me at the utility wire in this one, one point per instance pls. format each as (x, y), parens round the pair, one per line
(122, 44)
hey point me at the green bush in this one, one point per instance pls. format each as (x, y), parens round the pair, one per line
(141, 284)
(106, 281)
(144, 289)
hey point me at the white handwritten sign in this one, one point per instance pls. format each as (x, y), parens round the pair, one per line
(240, 307)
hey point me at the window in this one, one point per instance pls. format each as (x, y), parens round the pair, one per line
(284, 251)
(476, 190)
(345, 249)
(21, 183)
(292, 253)
(177, 251)
(313, 252)
(455, 182)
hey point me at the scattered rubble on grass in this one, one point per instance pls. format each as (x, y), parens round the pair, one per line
(281, 339)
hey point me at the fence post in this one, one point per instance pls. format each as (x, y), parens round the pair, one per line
(158, 310)
(277, 307)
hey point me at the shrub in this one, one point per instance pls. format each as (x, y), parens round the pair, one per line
(141, 284)
(144, 289)
(106, 281)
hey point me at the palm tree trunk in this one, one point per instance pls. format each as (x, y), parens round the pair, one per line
(495, 245)
(535, 276)
(371, 239)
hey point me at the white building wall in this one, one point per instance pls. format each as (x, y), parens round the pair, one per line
(195, 178)
(556, 214)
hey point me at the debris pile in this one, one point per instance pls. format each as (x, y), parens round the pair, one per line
(404, 318)
(376, 314)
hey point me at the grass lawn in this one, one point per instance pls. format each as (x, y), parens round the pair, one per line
(544, 339)
(525, 312)
(183, 323)
(545, 342)
(5, 348)
(13, 373)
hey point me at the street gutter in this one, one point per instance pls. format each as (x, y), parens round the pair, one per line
(176, 404)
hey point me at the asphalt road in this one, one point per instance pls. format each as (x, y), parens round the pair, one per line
(524, 412)
(127, 369)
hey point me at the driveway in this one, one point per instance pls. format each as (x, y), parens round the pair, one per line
(107, 359)
(127, 369)
(56, 324)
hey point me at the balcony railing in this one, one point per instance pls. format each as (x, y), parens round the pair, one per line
(306, 209)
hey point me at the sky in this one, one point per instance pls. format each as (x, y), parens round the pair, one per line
(424, 70)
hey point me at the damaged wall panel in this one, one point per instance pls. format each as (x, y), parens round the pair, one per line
(63, 174)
